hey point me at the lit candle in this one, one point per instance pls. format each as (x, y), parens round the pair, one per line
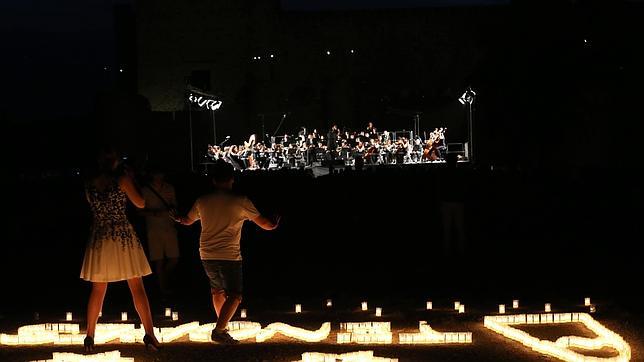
(329, 303)
(501, 308)
(457, 305)
(515, 304)
(242, 314)
(364, 306)
(69, 316)
(461, 308)
(587, 301)
(123, 316)
(168, 312)
(429, 306)
(298, 308)
(548, 308)
(175, 316)
(378, 312)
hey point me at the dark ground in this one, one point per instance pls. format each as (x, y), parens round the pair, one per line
(539, 235)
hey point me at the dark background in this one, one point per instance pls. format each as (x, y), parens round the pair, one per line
(554, 202)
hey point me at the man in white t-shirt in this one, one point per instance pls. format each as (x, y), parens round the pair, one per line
(222, 215)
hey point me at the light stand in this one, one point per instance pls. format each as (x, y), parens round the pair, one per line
(203, 100)
(468, 99)
(192, 156)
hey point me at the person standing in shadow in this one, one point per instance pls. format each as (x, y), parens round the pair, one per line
(163, 246)
(452, 193)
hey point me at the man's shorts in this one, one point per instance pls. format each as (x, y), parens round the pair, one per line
(224, 275)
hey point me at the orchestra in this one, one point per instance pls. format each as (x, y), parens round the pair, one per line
(368, 147)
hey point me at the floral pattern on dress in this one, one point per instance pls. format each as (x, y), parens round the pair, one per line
(110, 223)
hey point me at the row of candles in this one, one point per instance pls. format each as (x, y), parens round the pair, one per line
(364, 306)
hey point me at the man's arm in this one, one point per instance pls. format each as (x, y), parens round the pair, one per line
(265, 223)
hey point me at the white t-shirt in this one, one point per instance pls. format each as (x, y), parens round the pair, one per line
(222, 216)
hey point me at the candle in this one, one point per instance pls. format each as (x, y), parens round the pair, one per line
(515, 304)
(429, 306)
(457, 305)
(168, 312)
(548, 308)
(364, 306)
(123, 316)
(501, 308)
(587, 301)
(175, 316)
(298, 308)
(242, 313)
(329, 303)
(69, 316)
(378, 312)
(461, 308)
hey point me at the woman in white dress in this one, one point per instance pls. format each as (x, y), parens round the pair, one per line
(113, 251)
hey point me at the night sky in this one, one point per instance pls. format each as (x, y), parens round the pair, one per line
(54, 54)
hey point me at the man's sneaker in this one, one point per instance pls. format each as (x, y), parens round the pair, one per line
(222, 337)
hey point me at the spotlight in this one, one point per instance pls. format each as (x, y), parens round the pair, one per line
(468, 96)
(351, 51)
(121, 70)
(328, 52)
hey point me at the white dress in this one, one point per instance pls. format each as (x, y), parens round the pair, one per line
(113, 251)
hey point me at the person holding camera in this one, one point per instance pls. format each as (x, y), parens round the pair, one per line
(222, 215)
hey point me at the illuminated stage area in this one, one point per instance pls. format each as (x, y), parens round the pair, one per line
(373, 334)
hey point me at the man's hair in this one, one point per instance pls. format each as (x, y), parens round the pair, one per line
(222, 171)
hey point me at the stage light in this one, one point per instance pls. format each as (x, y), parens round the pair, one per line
(124, 316)
(121, 70)
(351, 51)
(204, 100)
(364, 306)
(587, 301)
(592, 308)
(457, 305)
(329, 303)
(298, 308)
(378, 312)
(242, 314)
(501, 308)
(515, 304)
(168, 312)
(68, 316)
(272, 56)
(328, 52)
(468, 97)
(547, 308)
(429, 305)
(561, 348)
(461, 309)
(427, 335)
(175, 316)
